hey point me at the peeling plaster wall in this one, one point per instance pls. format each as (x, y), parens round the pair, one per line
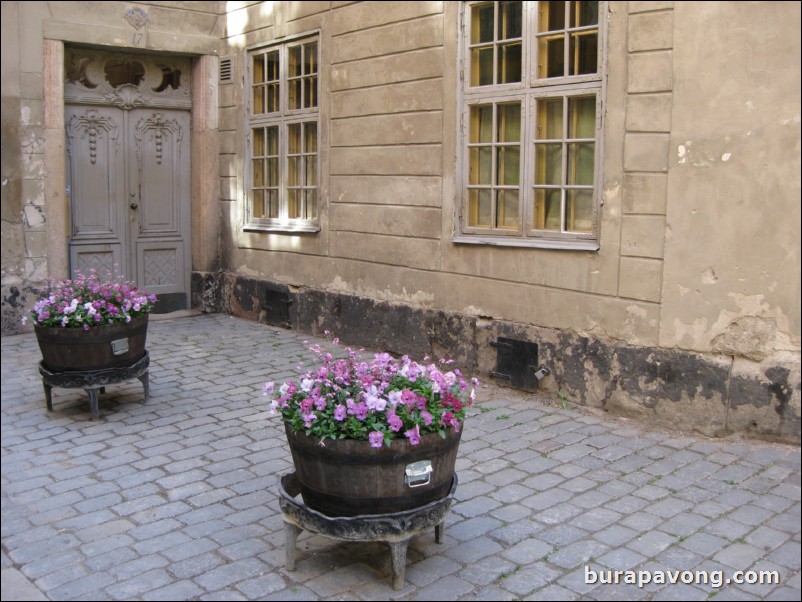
(687, 316)
(35, 207)
(732, 252)
(689, 313)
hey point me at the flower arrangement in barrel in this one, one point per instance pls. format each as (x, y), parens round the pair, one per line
(87, 301)
(377, 399)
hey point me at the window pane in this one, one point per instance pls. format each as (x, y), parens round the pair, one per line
(258, 100)
(311, 203)
(507, 209)
(548, 161)
(272, 172)
(294, 171)
(510, 22)
(580, 163)
(551, 16)
(310, 58)
(294, 61)
(259, 142)
(273, 66)
(584, 14)
(311, 170)
(310, 92)
(579, 211)
(258, 204)
(258, 166)
(311, 137)
(551, 60)
(481, 123)
(482, 67)
(550, 119)
(294, 94)
(293, 206)
(482, 23)
(272, 141)
(481, 166)
(509, 63)
(547, 209)
(583, 53)
(509, 167)
(272, 98)
(259, 69)
(479, 208)
(509, 122)
(294, 139)
(582, 117)
(272, 203)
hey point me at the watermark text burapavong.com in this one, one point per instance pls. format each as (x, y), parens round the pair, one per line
(714, 579)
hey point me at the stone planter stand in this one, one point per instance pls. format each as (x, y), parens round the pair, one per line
(395, 529)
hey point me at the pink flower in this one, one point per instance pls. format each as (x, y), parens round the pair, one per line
(413, 435)
(376, 439)
(395, 422)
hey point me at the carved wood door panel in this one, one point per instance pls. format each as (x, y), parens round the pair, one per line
(129, 174)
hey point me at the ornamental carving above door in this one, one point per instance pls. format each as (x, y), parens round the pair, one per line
(126, 81)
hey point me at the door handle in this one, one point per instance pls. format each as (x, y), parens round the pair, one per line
(134, 206)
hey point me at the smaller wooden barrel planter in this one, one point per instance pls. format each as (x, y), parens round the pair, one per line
(346, 477)
(99, 348)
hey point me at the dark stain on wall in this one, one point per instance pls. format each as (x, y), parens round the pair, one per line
(667, 374)
(590, 370)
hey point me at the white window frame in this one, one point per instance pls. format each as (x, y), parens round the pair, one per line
(283, 119)
(529, 90)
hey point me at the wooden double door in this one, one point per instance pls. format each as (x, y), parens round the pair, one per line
(130, 177)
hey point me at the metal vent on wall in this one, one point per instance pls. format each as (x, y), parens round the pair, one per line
(516, 363)
(225, 69)
(276, 310)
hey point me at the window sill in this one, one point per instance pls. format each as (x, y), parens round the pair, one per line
(531, 243)
(294, 229)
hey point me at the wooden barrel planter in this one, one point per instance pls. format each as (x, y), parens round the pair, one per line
(346, 477)
(99, 348)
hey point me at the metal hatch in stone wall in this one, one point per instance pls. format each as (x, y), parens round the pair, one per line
(516, 363)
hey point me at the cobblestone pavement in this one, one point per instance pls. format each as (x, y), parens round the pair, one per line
(175, 498)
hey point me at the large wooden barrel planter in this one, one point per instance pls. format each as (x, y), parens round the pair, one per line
(99, 348)
(348, 478)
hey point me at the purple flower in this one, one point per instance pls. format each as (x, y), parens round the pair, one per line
(395, 422)
(413, 435)
(370, 400)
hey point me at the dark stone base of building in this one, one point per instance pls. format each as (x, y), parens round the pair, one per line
(709, 394)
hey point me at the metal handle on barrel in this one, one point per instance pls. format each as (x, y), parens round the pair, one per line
(418, 474)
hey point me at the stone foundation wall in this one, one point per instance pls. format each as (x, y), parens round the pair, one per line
(715, 395)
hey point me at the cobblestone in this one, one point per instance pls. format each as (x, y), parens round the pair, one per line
(174, 497)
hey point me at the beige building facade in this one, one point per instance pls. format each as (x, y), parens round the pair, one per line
(607, 191)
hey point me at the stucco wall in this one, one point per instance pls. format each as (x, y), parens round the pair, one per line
(687, 315)
(695, 286)
(35, 206)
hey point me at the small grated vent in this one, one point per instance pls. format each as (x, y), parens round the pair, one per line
(225, 70)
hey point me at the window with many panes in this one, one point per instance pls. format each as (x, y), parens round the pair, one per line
(531, 123)
(283, 136)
